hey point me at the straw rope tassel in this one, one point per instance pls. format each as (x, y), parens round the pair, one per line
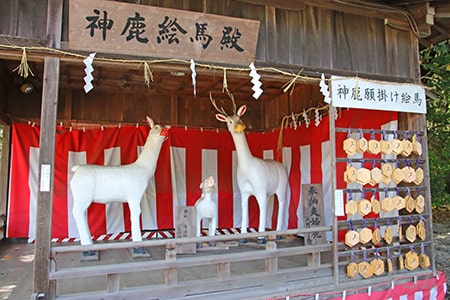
(23, 68)
(225, 82)
(148, 74)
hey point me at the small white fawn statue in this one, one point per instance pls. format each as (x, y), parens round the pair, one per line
(255, 176)
(125, 183)
(206, 208)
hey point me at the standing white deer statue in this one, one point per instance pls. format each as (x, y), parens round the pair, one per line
(206, 208)
(125, 183)
(255, 176)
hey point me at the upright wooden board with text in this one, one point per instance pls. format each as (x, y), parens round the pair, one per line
(313, 212)
(185, 227)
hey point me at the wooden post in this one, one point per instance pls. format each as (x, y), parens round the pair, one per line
(46, 163)
(171, 277)
(333, 198)
(50, 87)
(4, 171)
(223, 271)
(271, 262)
(113, 283)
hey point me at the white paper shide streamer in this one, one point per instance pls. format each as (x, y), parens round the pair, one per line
(255, 81)
(88, 70)
(324, 89)
(193, 75)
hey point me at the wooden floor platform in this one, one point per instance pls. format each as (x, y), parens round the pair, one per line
(241, 270)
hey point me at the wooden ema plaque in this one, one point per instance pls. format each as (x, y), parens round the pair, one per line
(386, 204)
(375, 205)
(388, 235)
(363, 176)
(377, 266)
(411, 260)
(396, 147)
(397, 176)
(417, 146)
(385, 147)
(352, 269)
(411, 233)
(364, 207)
(424, 261)
(376, 236)
(365, 269)
(361, 145)
(419, 176)
(313, 212)
(421, 231)
(349, 146)
(410, 203)
(185, 227)
(365, 235)
(351, 238)
(409, 174)
(399, 202)
(374, 147)
(351, 207)
(420, 204)
(407, 148)
(375, 176)
(350, 174)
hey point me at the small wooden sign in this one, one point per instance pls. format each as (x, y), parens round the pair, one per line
(124, 28)
(313, 212)
(185, 227)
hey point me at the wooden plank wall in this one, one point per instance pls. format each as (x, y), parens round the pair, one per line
(311, 36)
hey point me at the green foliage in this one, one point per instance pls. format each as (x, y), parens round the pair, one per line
(436, 76)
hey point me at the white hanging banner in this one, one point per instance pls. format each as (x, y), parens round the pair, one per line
(377, 95)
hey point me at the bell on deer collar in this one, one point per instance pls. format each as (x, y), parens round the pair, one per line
(238, 128)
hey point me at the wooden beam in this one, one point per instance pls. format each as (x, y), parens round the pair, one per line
(442, 11)
(294, 5)
(42, 249)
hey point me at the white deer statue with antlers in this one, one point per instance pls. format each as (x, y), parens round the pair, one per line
(255, 176)
(125, 183)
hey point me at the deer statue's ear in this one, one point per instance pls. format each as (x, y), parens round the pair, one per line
(150, 122)
(241, 111)
(221, 118)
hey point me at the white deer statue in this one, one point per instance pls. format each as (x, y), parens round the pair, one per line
(258, 177)
(206, 208)
(125, 183)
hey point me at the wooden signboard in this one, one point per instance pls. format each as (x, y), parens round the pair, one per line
(123, 28)
(185, 227)
(313, 212)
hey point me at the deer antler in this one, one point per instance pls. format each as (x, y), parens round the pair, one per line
(232, 99)
(221, 110)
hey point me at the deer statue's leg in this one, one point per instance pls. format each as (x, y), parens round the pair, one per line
(244, 208)
(135, 212)
(198, 228)
(212, 229)
(262, 203)
(79, 212)
(281, 214)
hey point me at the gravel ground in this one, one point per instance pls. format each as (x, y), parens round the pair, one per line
(442, 249)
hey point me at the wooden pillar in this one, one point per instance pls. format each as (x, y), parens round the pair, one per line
(4, 179)
(46, 173)
(50, 87)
